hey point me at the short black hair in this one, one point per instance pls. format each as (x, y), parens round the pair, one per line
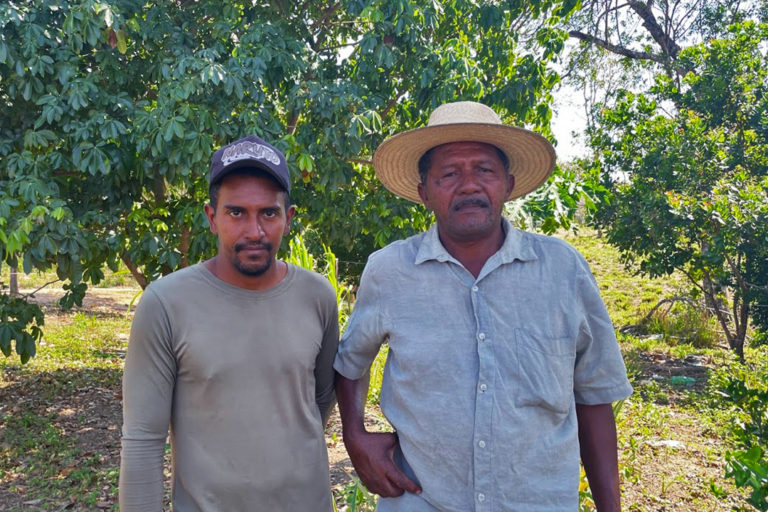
(213, 189)
(425, 162)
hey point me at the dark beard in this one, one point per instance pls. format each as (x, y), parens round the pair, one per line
(250, 269)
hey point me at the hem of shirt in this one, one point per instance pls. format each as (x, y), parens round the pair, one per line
(345, 371)
(597, 397)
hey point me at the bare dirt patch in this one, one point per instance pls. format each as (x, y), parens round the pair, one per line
(678, 464)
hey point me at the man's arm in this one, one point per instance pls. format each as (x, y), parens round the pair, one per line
(148, 382)
(372, 453)
(324, 373)
(597, 438)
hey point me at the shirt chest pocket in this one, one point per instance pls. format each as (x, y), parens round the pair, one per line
(544, 371)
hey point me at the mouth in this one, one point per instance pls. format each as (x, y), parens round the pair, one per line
(474, 203)
(253, 248)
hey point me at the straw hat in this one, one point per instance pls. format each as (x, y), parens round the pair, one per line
(531, 156)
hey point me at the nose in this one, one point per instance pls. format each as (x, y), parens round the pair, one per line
(255, 230)
(469, 183)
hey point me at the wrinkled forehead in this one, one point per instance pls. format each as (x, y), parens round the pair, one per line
(471, 149)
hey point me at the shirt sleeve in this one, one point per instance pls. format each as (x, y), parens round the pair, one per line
(148, 382)
(324, 374)
(364, 335)
(600, 376)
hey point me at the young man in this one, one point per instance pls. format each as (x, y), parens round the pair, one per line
(235, 354)
(502, 360)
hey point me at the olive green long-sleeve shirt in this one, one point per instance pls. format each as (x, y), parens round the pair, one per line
(244, 379)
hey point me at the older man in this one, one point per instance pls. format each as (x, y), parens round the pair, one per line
(503, 363)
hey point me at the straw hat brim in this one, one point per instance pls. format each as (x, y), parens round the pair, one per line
(531, 156)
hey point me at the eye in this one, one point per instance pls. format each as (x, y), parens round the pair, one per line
(235, 213)
(271, 213)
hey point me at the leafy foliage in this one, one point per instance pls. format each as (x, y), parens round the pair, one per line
(21, 323)
(356, 498)
(690, 191)
(111, 110)
(299, 255)
(746, 391)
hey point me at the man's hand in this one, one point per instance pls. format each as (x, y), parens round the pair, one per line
(372, 454)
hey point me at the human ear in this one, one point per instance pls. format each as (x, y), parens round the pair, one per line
(210, 213)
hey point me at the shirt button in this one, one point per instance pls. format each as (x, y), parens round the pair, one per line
(481, 336)
(483, 387)
(475, 288)
(481, 444)
(481, 497)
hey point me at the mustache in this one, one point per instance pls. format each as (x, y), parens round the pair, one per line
(471, 201)
(241, 246)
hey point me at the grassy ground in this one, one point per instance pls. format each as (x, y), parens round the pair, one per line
(60, 414)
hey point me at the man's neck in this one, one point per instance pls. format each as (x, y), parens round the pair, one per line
(276, 273)
(474, 253)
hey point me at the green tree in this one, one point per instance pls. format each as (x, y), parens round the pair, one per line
(111, 109)
(622, 45)
(690, 189)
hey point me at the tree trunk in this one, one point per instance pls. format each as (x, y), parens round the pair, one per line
(712, 302)
(14, 281)
(186, 239)
(135, 272)
(710, 296)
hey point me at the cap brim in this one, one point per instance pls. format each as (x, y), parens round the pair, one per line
(531, 156)
(250, 164)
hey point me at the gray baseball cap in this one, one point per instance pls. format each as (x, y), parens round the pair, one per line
(250, 151)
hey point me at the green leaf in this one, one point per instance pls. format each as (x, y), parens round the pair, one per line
(6, 333)
(305, 162)
(122, 42)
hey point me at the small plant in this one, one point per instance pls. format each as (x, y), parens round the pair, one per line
(20, 322)
(356, 498)
(586, 501)
(681, 322)
(759, 339)
(377, 375)
(300, 255)
(746, 389)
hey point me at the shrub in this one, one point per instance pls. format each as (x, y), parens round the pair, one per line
(745, 389)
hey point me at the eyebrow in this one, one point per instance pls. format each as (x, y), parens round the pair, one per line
(481, 161)
(276, 206)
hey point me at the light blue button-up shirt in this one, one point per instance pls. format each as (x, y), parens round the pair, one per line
(483, 374)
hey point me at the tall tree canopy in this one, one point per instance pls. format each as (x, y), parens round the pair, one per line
(111, 110)
(690, 190)
(623, 44)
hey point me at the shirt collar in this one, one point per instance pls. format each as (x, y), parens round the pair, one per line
(516, 246)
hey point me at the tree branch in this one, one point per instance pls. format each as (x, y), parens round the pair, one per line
(736, 273)
(135, 272)
(293, 123)
(392, 103)
(32, 294)
(669, 300)
(619, 50)
(360, 161)
(718, 312)
(667, 44)
(323, 22)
